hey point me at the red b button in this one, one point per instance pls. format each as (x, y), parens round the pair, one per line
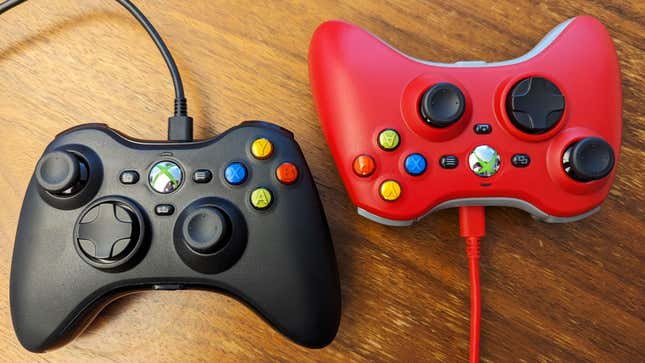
(287, 173)
(364, 165)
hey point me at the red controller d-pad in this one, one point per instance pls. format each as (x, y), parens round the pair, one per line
(541, 132)
(535, 105)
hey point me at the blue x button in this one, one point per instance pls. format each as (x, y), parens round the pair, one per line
(235, 173)
(415, 164)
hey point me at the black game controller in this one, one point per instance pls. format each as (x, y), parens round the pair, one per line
(105, 215)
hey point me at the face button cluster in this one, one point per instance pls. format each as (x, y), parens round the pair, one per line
(388, 140)
(261, 198)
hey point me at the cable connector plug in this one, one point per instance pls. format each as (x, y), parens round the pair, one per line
(180, 126)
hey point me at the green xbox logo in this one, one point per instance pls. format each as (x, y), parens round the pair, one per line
(484, 161)
(165, 177)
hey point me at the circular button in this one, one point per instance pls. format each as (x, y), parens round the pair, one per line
(58, 171)
(235, 173)
(165, 177)
(261, 198)
(204, 229)
(390, 190)
(287, 173)
(484, 161)
(535, 105)
(415, 164)
(262, 148)
(109, 232)
(364, 165)
(589, 159)
(442, 105)
(388, 139)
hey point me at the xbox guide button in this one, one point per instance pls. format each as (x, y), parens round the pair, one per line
(165, 177)
(484, 161)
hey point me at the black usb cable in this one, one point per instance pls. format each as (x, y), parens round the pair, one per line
(180, 125)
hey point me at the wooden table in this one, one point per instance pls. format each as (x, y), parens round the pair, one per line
(570, 292)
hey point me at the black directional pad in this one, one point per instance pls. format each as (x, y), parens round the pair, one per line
(107, 232)
(535, 105)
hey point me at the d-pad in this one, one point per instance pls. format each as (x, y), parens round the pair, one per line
(105, 231)
(535, 105)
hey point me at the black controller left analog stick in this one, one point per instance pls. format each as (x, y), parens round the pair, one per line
(60, 172)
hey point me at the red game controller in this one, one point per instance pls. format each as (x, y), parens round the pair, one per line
(541, 132)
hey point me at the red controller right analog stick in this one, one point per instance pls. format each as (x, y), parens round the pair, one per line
(589, 159)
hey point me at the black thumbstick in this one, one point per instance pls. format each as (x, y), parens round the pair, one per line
(58, 171)
(205, 229)
(442, 105)
(535, 105)
(589, 159)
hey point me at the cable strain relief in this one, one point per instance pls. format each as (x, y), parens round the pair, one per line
(472, 248)
(181, 107)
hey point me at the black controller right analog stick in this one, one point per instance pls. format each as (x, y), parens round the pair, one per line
(205, 229)
(210, 235)
(60, 172)
(591, 158)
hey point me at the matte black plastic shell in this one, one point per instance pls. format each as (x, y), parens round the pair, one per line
(287, 271)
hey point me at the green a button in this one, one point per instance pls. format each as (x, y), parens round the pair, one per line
(261, 198)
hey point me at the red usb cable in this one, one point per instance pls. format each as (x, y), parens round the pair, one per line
(472, 226)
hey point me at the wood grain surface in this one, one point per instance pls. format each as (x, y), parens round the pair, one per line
(572, 292)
